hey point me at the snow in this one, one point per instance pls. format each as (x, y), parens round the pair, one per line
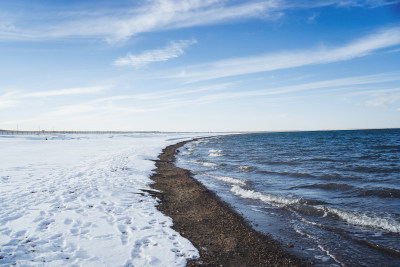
(77, 200)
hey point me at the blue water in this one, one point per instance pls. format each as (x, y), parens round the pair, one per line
(334, 195)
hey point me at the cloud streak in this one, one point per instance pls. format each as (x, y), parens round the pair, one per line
(64, 92)
(115, 24)
(382, 39)
(380, 100)
(173, 50)
(156, 15)
(14, 98)
(208, 94)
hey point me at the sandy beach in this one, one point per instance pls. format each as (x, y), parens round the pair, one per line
(222, 236)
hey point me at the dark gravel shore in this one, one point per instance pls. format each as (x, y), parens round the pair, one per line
(222, 237)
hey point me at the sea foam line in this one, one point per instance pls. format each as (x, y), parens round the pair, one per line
(348, 216)
(364, 220)
(267, 198)
(227, 179)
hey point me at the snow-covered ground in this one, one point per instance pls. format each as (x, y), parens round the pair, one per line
(77, 200)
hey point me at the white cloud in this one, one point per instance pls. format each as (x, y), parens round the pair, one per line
(173, 50)
(114, 24)
(380, 100)
(15, 98)
(238, 66)
(64, 92)
(7, 103)
(155, 15)
(337, 3)
(207, 94)
(311, 19)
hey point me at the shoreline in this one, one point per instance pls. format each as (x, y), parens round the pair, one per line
(222, 236)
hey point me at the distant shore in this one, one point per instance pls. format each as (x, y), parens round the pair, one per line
(222, 236)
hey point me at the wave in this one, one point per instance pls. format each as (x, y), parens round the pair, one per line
(329, 186)
(395, 147)
(227, 179)
(215, 150)
(365, 169)
(324, 211)
(208, 164)
(379, 192)
(351, 217)
(190, 148)
(356, 218)
(284, 163)
(331, 176)
(245, 168)
(292, 174)
(215, 155)
(322, 160)
(264, 197)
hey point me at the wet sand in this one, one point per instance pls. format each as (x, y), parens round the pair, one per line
(222, 236)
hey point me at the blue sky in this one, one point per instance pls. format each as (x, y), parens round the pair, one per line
(210, 65)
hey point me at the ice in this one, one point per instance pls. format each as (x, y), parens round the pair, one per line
(78, 200)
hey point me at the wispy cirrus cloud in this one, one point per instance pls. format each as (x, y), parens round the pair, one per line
(187, 96)
(366, 45)
(349, 84)
(115, 24)
(7, 103)
(155, 15)
(64, 92)
(13, 98)
(173, 50)
(337, 3)
(379, 100)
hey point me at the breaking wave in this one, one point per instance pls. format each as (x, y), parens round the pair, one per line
(245, 168)
(207, 164)
(363, 219)
(265, 197)
(215, 150)
(227, 179)
(302, 204)
(215, 155)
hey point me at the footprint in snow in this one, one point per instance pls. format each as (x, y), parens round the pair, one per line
(124, 234)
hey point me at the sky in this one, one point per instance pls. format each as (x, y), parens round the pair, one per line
(199, 65)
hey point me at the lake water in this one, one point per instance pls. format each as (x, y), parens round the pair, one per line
(332, 197)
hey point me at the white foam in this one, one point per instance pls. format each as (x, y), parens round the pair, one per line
(245, 168)
(330, 255)
(227, 179)
(215, 150)
(215, 155)
(267, 198)
(365, 220)
(205, 163)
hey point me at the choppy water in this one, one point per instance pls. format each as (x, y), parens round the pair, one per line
(335, 195)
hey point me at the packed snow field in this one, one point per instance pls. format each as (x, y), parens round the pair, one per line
(79, 200)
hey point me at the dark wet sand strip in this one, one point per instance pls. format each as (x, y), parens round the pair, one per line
(222, 237)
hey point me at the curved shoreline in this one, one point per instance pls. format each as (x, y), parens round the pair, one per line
(222, 236)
